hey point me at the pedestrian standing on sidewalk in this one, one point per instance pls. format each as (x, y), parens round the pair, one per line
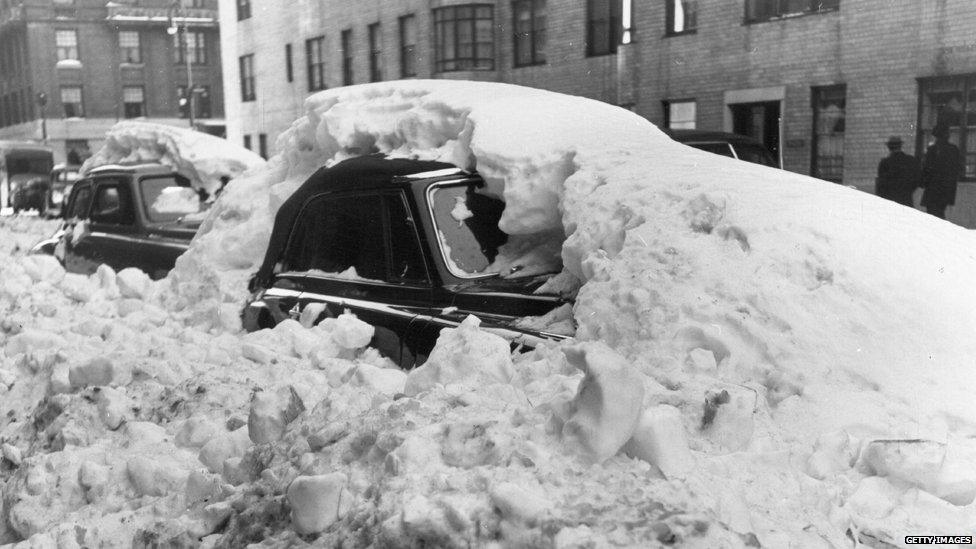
(940, 172)
(898, 174)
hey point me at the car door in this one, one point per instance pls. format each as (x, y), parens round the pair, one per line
(74, 250)
(113, 237)
(360, 253)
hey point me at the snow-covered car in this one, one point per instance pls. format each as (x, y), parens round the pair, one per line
(407, 246)
(126, 216)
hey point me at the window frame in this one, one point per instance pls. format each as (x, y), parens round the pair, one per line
(142, 104)
(375, 42)
(80, 104)
(614, 18)
(198, 49)
(289, 64)
(315, 68)
(408, 52)
(137, 48)
(345, 51)
(245, 65)
(670, 18)
(243, 9)
(817, 93)
(64, 52)
(457, 62)
(123, 216)
(668, 103)
(923, 131)
(535, 57)
(814, 7)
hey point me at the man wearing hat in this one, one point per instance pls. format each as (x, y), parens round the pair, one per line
(898, 174)
(942, 169)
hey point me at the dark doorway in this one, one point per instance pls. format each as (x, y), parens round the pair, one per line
(759, 121)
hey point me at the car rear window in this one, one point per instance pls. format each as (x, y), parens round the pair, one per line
(756, 155)
(168, 198)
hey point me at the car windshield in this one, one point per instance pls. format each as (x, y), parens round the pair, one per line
(467, 228)
(167, 198)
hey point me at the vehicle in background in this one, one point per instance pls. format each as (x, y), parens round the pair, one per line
(405, 245)
(30, 194)
(20, 163)
(126, 216)
(726, 144)
(63, 177)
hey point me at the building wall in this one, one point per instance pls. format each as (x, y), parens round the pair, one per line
(878, 49)
(101, 72)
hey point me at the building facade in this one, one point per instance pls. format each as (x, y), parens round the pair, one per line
(70, 69)
(822, 82)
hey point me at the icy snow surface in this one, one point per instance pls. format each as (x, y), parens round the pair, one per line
(761, 358)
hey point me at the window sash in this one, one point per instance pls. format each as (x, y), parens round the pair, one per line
(682, 16)
(133, 100)
(129, 47)
(603, 26)
(408, 45)
(375, 53)
(66, 44)
(71, 102)
(529, 24)
(951, 100)
(464, 38)
(315, 62)
(764, 10)
(246, 66)
(829, 122)
(346, 46)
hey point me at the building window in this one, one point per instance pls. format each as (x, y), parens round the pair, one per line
(133, 101)
(764, 10)
(246, 66)
(408, 46)
(195, 44)
(66, 44)
(247, 142)
(464, 38)
(375, 53)
(263, 145)
(949, 100)
(682, 16)
(603, 26)
(243, 9)
(315, 62)
(196, 3)
(529, 22)
(829, 108)
(289, 68)
(129, 47)
(201, 102)
(680, 115)
(346, 47)
(71, 101)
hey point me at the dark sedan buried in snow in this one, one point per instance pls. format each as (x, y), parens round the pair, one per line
(383, 239)
(126, 216)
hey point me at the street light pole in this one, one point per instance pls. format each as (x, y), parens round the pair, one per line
(42, 103)
(180, 31)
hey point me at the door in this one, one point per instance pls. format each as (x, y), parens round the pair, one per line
(759, 121)
(361, 253)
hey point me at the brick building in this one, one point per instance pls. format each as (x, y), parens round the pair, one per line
(822, 82)
(70, 69)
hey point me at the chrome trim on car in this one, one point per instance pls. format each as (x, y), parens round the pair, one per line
(132, 240)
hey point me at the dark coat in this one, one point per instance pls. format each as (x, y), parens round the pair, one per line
(941, 171)
(898, 176)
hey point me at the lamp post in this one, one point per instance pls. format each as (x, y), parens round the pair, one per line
(176, 9)
(42, 104)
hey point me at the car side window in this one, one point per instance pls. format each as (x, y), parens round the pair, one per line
(406, 258)
(341, 236)
(723, 149)
(81, 203)
(112, 204)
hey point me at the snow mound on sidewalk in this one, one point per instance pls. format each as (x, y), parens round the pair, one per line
(201, 157)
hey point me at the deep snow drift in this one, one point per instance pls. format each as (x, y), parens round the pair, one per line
(761, 358)
(202, 158)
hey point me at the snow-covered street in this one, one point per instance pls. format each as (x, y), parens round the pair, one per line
(761, 359)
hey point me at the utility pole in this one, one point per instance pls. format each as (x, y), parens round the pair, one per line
(42, 105)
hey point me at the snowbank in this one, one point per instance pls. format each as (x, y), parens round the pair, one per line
(761, 358)
(201, 157)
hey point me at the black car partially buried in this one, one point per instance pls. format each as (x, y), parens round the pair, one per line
(383, 239)
(141, 216)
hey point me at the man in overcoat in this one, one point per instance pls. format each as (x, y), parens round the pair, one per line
(941, 171)
(898, 174)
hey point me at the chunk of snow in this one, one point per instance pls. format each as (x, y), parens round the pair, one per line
(607, 406)
(222, 447)
(660, 440)
(94, 372)
(271, 412)
(315, 501)
(133, 283)
(465, 354)
(43, 268)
